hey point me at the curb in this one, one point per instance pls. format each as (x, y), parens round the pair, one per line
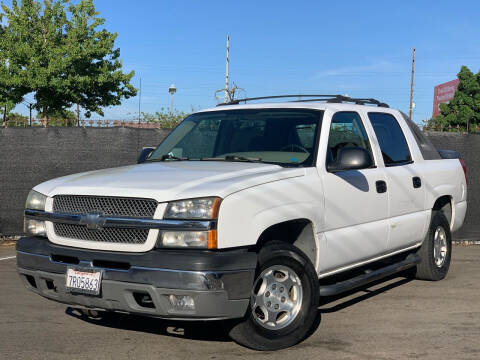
(8, 240)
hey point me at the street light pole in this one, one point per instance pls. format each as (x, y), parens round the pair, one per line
(172, 90)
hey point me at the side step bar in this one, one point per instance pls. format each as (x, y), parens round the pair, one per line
(346, 285)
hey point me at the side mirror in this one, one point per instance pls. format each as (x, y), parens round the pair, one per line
(353, 158)
(144, 155)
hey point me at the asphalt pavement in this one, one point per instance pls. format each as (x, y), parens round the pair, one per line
(396, 319)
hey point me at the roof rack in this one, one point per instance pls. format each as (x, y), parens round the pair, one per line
(312, 98)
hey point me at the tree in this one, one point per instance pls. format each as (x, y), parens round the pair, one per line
(56, 50)
(11, 91)
(63, 118)
(463, 111)
(166, 119)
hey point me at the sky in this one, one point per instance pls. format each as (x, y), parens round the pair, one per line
(358, 48)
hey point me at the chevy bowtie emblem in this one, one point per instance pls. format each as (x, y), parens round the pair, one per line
(93, 221)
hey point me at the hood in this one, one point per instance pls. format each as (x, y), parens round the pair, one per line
(165, 181)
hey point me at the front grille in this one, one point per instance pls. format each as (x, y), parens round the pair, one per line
(114, 206)
(110, 235)
(110, 206)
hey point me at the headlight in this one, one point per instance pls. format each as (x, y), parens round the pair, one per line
(194, 209)
(35, 201)
(190, 239)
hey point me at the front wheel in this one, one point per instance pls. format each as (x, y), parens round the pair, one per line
(436, 249)
(284, 300)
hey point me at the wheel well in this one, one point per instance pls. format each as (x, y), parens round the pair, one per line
(298, 232)
(444, 205)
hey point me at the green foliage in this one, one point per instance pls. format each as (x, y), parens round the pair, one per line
(463, 109)
(11, 91)
(166, 118)
(15, 119)
(62, 118)
(58, 50)
(6, 105)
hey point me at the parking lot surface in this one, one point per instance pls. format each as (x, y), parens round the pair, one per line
(396, 319)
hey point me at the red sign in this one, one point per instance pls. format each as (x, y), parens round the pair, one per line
(443, 93)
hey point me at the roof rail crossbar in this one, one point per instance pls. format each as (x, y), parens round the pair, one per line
(312, 98)
(363, 101)
(238, 101)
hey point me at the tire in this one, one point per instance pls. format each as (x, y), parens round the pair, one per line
(436, 250)
(280, 266)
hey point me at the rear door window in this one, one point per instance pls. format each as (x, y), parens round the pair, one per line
(392, 141)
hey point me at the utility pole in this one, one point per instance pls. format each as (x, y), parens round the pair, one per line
(30, 108)
(227, 60)
(411, 85)
(139, 100)
(78, 115)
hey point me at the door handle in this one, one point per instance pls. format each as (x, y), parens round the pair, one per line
(381, 186)
(417, 182)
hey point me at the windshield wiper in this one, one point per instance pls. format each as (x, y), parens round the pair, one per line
(233, 158)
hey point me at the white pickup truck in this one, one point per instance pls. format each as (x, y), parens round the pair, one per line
(251, 212)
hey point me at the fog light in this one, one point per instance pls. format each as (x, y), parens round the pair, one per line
(34, 227)
(180, 302)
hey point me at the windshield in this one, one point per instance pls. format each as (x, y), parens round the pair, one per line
(281, 136)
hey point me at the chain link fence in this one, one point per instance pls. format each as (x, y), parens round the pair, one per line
(99, 123)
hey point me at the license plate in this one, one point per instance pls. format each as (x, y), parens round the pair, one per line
(82, 281)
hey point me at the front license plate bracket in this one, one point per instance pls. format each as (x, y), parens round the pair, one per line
(83, 281)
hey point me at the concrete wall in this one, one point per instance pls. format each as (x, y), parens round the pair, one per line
(469, 147)
(29, 156)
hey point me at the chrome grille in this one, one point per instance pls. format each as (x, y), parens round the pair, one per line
(114, 206)
(110, 206)
(110, 235)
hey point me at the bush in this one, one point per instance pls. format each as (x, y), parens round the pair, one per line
(166, 119)
(15, 119)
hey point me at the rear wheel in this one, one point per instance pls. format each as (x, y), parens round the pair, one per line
(284, 300)
(436, 250)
